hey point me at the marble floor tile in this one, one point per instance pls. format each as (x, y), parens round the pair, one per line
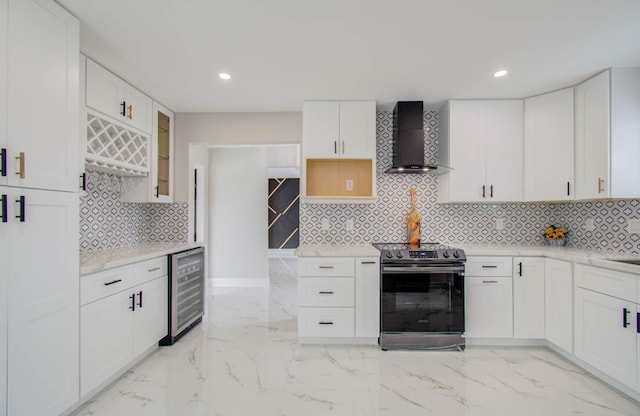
(244, 359)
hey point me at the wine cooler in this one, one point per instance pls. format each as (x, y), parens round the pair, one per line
(186, 292)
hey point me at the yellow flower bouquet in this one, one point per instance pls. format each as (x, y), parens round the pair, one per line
(556, 235)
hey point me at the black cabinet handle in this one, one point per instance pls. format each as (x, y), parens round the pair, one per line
(489, 267)
(325, 323)
(483, 189)
(157, 192)
(133, 302)
(326, 292)
(568, 188)
(638, 322)
(21, 215)
(3, 161)
(113, 282)
(124, 109)
(140, 299)
(520, 268)
(491, 191)
(83, 178)
(367, 262)
(4, 208)
(625, 321)
(335, 147)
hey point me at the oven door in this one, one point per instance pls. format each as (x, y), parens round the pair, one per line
(422, 298)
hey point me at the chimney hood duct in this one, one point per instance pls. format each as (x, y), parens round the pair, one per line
(408, 139)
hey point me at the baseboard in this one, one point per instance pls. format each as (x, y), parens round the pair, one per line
(505, 342)
(338, 341)
(231, 282)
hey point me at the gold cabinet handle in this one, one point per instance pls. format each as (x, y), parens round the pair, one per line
(600, 185)
(325, 267)
(153, 270)
(130, 111)
(489, 281)
(20, 159)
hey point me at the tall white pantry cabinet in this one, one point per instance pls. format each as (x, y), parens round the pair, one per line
(39, 271)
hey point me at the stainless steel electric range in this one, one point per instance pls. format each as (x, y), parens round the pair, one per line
(422, 297)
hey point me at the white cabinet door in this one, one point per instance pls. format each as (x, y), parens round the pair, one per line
(558, 289)
(592, 137)
(42, 95)
(104, 91)
(549, 147)
(43, 301)
(504, 141)
(138, 109)
(488, 307)
(367, 300)
(467, 151)
(485, 151)
(321, 129)
(601, 339)
(150, 317)
(358, 129)
(106, 326)
(3, 110)
(528, 297)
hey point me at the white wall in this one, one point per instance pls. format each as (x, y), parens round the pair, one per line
(238, 234)
(228, 129)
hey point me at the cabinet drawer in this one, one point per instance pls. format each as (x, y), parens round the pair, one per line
(326, 291)
(325, 322)
(610, 282)
(102, 284)
(150, 269)
(488, 266)
(326, 266)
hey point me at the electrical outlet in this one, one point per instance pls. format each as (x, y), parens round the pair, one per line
(589, 225)
(499, 224)
(349, 225)
(325, 224)
(633, 225)
(349, 184)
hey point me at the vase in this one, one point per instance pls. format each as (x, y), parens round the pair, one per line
(413, 222)
(558, 242)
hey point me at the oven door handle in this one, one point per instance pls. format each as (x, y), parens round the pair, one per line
(418, 269)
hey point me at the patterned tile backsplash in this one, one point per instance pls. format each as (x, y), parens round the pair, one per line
(524, 223)
(106, 222)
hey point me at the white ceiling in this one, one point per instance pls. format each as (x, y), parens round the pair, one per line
(281, 52)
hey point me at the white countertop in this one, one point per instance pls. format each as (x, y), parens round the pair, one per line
(336, 250)
(98, 260)
(576, 255)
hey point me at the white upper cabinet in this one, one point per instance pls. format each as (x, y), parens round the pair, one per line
(339, 129)
(548, 147)
(39, 57)
(484, 149)
(113, 97)
(607, 138)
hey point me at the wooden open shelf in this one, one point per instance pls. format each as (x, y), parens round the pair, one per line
(328, 177)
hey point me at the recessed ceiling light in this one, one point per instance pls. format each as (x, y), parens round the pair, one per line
(224, 75)
(500, 73)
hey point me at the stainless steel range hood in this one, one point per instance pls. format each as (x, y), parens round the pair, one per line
(408, 140)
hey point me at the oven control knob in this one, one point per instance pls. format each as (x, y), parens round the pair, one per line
(456, 254)
(445, 254)
(389, 254)
(400, 255)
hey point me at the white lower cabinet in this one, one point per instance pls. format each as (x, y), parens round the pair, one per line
(121, 323)
(528, 298)
(338, 297)
(606, 325)
(367, 306)
(558, 303)
(489, 297)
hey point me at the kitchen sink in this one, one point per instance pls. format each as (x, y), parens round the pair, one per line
(628, 261)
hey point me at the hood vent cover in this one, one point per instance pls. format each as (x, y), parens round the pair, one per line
(408, 139)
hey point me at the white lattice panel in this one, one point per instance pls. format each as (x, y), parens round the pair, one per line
(113, 147)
